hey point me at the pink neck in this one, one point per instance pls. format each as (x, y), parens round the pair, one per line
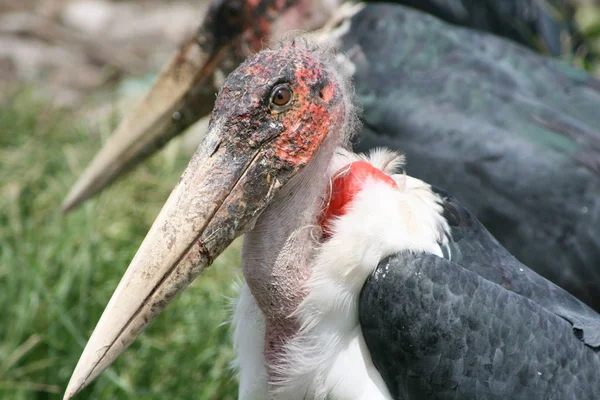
(278, 251)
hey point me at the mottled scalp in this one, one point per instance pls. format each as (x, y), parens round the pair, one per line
(329, 55)
(322, 106)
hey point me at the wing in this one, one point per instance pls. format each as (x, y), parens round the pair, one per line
(437, 330)
(515, 135)
(542, 25)
(475, 249)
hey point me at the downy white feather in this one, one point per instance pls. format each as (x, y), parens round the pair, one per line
(327, 358)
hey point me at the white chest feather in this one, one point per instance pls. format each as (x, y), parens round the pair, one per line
(328, 358)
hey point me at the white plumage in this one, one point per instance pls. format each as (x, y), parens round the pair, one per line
(328, 358)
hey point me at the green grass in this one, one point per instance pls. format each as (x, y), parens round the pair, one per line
(57, 272)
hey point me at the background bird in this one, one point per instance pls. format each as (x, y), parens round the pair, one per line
(545, 25)
(318, 221)
(233, 29)
(514, 134)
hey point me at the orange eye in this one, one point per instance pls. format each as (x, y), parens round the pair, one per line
(281, 96)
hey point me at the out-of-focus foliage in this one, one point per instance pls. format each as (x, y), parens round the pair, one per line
(57, 272)
(588, 20)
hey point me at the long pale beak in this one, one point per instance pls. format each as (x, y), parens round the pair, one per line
(182, 94)
(223, 189)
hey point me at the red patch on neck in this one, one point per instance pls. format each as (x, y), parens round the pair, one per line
(345, 185)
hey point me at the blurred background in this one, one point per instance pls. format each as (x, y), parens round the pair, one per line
(68, 72)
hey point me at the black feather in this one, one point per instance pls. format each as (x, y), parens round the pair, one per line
(480, 325)
(436, 330)
(545, 25)
(515, 135)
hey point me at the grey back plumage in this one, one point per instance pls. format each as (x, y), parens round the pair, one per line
(514, 135)
(545, 25)
(474, 248)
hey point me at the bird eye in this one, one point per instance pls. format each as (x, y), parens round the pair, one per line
(281, 95)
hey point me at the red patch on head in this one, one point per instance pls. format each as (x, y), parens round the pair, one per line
(345, 185)
(290, 134)
(327, 93)
(308, 124)
(304, 134)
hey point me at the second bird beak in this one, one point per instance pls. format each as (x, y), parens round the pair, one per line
(182, 94)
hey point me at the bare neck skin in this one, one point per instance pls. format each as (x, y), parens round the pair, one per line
(277, 252)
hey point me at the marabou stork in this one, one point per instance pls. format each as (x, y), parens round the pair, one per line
(546, 25)
(514, 134)
(359, 284)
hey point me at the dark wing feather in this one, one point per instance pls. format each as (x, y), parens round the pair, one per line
(540, 24)
(515, 135)
(475, 249)
(436, 330)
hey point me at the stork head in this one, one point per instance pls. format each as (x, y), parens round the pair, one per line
(270, 119)
(241, 26)
(184, 91)
(280, 105)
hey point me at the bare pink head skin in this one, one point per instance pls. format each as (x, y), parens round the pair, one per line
(275, 127)
(185, 89)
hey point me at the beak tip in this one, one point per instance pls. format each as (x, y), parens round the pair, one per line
(79, 192)
(71, 390)
(67, 205)
(82, 376)
(68, 395)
